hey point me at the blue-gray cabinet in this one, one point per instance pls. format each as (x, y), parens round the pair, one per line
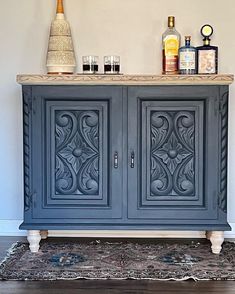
(175, 135)
(72, 135)
(139, 157)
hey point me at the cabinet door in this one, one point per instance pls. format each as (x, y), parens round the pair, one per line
(77, 153)
(173, 153)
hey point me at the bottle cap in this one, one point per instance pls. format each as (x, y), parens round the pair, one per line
(206, 31)
(171, 21)
(60, 7)
(187, 38)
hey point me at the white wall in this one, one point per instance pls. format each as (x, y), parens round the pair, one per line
(130, 28)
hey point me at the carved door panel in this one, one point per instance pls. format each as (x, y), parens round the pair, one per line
(173, 168)
(77, 153)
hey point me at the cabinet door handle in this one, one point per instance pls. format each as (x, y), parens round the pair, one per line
(132, 159)
(116, 160)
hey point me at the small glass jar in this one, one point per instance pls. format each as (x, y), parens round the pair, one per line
(111, 64)
(90, 64)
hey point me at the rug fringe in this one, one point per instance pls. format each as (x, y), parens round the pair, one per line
(9, 253)
(124, 279)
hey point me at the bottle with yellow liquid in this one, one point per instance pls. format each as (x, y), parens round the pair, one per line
(170, 48)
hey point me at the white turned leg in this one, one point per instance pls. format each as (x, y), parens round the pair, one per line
(44, 234)
(208, 235)
(217, 239)
(34, 239)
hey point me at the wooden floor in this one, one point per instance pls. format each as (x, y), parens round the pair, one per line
(109, 287)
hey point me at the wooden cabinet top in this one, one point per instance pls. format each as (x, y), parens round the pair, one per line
(80, 79)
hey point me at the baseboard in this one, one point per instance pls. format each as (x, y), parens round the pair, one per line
(11, 228)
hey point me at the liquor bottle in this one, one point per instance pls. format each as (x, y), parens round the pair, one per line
(207, 54)
(170, 48)
(187, 58)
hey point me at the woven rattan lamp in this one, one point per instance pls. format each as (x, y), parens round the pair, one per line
(60, 55)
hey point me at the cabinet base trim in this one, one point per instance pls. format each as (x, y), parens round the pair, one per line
(216, 237)
(128, 227)
(128, 234)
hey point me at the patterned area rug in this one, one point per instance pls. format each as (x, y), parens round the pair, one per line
(119, 260)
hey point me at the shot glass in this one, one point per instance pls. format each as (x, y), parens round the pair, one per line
(111, 64)
(90, 64)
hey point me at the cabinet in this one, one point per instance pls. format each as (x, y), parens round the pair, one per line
(176, 140)
(125, 155)
(74, 133)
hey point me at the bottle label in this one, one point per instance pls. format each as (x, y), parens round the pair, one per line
(171, 44)
(171, 63)
(206, 61)
(187, 60)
